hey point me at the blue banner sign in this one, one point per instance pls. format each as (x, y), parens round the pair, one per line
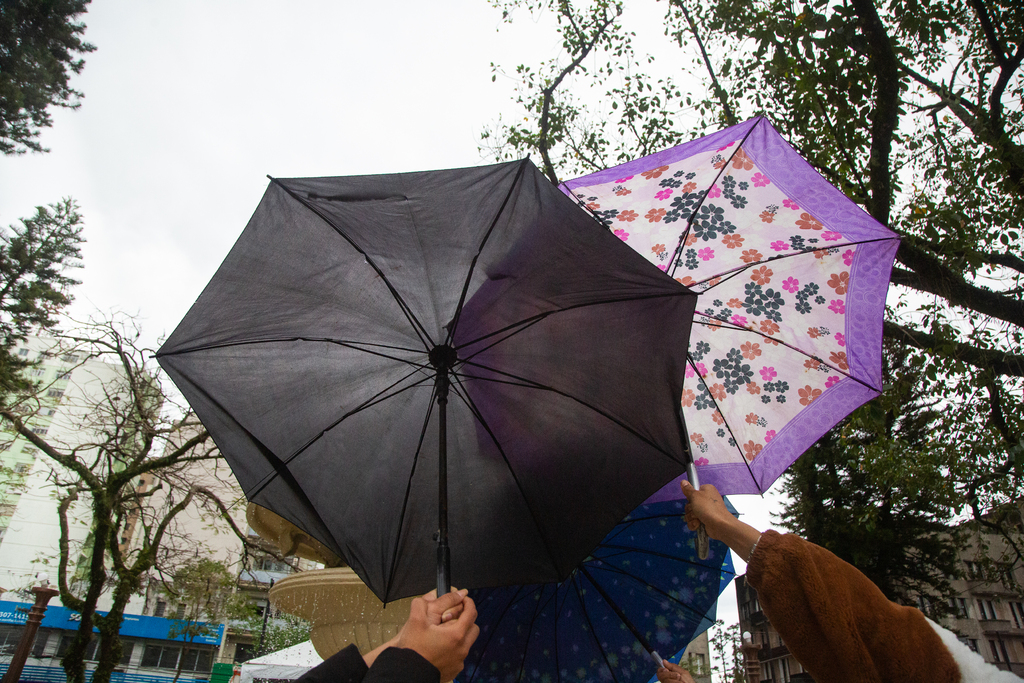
(133, 625)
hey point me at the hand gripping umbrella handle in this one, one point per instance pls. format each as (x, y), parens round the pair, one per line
(702, 533)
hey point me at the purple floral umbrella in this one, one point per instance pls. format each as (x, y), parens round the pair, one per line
(792, 279)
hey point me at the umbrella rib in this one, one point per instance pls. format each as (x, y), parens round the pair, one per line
(783, 342)
(511, 331)
(464, 395)
(689, 221)
(618, 610)
(408, 486)
(654, 588)
(774, 259)
(480, 248)
(689, 359)
(368, 403)
(418, 327)
(525, 322)
(494, 628)
(354, 345)
(590, 622)
(527, 383)
(280, 468)
(373, 400)
(654, 553)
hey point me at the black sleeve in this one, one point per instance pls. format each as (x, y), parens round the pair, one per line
(346, 666)
(399, 665)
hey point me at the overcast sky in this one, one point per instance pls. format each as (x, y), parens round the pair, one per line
(189, 105)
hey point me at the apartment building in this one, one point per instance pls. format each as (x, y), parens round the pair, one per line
(29, 535)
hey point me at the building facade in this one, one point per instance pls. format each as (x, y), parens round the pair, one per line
(71, 386)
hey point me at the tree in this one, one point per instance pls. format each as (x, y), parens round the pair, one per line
(912, 109)
(204, 588)
(128, 434)
(40, 47)
(727, 657)
(891, 522)
(34, 285)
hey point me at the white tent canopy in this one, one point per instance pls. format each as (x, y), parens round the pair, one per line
(285, 664)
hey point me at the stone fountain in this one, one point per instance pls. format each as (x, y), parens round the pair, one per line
(334, 600)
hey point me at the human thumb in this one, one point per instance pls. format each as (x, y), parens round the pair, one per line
(687, 488)
(449, 600)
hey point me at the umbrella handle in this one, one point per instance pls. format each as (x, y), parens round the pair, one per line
(703, 544)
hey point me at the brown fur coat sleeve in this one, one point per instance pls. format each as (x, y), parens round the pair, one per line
(837, 623)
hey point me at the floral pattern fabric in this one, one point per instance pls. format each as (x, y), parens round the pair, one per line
(792, 279)
(552, 633)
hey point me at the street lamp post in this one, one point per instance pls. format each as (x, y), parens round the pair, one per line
(749, 649)
(28, 636)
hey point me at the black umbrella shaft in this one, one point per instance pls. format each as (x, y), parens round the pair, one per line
(443, 554)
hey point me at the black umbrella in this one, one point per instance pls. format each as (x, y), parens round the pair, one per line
(350, 307)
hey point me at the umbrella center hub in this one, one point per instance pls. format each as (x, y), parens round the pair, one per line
(443, 357)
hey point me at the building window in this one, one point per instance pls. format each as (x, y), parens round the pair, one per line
(270, 564)
(90, 650)
(924, 603)
(3, 530)
(42, 638)
(987, 610)
(973, 644)
(55, 393)
(22, 352)
(1006, 575)
(958, 607)
(69, 358)
(973, 569)
(169, 658)
(41, 431)
(6, 446)
(37, 372)
(999, 653)
(161, 657)
(1017, 612)
(127, 648)
(180, 612)
(197, 660)
(243, 652)
(64, 375)
(151, 656)
(749, 608)
(161, 607)
(22, 467)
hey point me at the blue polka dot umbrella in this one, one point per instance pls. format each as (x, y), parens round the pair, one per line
(643, 590)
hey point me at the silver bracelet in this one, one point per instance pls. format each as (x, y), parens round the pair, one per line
(754, 547)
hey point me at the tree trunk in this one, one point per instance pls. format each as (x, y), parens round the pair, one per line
(74, 659)
(111, 648)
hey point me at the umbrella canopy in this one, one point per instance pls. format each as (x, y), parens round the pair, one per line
(792, 278)
(319, 354)
(643, 589)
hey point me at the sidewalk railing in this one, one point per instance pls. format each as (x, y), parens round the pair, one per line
(55, 674)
